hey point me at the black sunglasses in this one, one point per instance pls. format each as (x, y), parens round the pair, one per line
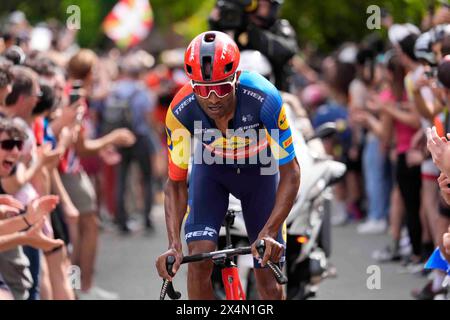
(10, 144)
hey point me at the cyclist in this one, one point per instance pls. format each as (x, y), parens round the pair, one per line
(219, 107)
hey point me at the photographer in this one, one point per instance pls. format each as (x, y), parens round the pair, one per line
(256, 27)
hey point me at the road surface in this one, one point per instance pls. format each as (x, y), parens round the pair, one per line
(126, 265)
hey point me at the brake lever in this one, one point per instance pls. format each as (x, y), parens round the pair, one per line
(279, 276)
(167, 287)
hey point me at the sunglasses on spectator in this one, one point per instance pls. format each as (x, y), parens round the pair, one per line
(10, 144)
(221, 89)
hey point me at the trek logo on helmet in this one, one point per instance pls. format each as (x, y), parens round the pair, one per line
(192, 48)
(224, 51)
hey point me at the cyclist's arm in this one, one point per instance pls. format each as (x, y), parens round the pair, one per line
(285, 197)
(176, 193)
(175, 203)
(275, 120)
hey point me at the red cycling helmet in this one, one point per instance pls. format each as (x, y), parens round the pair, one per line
(212, 56)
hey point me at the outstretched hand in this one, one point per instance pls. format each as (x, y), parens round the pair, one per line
(35, 238)
(123, 137)
(439, 148)
(444, 183)
(9, 206)
(41, 207)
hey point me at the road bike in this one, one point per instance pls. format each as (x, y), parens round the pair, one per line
(224, 259)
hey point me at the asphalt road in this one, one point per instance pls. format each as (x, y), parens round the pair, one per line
(126, 265)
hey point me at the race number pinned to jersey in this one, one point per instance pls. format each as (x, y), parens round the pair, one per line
(282, 120)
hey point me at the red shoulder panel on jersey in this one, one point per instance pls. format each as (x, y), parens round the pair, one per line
(185, 91)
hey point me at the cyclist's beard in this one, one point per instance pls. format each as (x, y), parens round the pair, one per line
(220, 109)
(214, 111)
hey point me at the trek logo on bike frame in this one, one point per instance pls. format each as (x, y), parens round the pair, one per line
(207, 232)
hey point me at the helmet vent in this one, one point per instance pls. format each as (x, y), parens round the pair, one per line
(210, 37)
(228, 67)
(207, 68)
(189, 69)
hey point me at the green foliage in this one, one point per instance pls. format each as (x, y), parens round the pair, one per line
(92, 15)
(167, 12)
(329, 23)
(35, 10)
(196, 23)
(324, 23)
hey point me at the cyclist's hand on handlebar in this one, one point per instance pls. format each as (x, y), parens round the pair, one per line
(161, 263)
(273, 250)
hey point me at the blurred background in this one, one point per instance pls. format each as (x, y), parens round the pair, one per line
(321, 25)
(380, 76)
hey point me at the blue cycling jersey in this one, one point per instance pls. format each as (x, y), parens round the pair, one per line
(258, 133)
(259, 130)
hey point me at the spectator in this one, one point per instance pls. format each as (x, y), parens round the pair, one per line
(376, 164)
(20, 103)
(130, 92)
(399, 119)
(411, 190)
(17, 276)
(81, 67)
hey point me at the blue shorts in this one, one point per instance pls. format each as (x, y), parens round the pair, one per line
(209, 190)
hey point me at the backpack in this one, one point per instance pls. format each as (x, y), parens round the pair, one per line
(117, 113)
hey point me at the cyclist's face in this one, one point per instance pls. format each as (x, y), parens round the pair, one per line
(215, 106)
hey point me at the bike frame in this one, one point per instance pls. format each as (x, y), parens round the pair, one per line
(230, 272)
(232, 284)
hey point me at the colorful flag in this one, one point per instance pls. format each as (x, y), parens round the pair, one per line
(129, 22)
